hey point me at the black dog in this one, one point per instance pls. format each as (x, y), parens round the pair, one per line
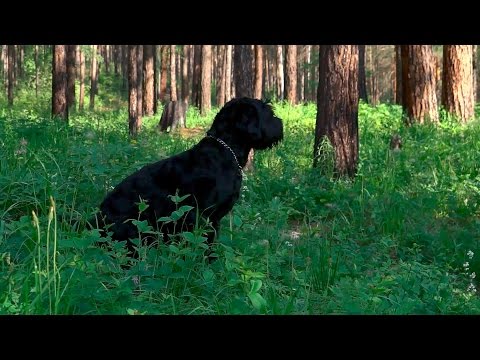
(211, 172)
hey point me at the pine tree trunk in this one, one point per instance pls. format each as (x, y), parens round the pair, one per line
(337, 106)
(140, 81)
(134, 121)
(206, 81)
(21, 57)
(36, 70)
(221, 76)
(300, 74)
(106, 58)
(258, 71)
(185, 77)
(81, 96)
(243, 59)
(398, 76)
(164, 73)
(291, 73)
(474, 64)
(306, 72)
(59, 83)
(419, 84)
(11, 70)
(71, 56)
(228, 73)
(149, 73)
(362, 79)
(173, 77)
(197, 68)
(457, 90)
(93, 77)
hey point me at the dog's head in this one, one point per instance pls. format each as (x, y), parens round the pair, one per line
(248, 121)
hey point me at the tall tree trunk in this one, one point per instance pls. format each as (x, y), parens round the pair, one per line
(300, 73)
(398, 76)
(337, 106)
(93, 77)
(228, 73)
(21, 57)
(185, 77)
(71, 55)
(106, 58)
(258, 71)
(36, 70)
(81, 96)
(140, 81)
(243, 59)
(457, 90)
(163, 76)
(362, 79)
(419, 83)
(291, 73)
(173, 77)
(59, 82)
(474, 65)
(149, 73)
(306, 72)
(197, 68)
(11, 70)
(134, 121)
(221, 76)
(206, 83)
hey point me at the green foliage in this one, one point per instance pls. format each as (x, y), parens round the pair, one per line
(394, 241)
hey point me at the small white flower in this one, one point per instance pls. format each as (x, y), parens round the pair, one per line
(288, 243)
(471, 288)
(295, 235)
(470, 254)
(466, 265)
(472, 275)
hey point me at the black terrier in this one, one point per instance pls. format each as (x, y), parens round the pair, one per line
(210, 172)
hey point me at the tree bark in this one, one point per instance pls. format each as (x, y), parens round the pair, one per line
(185, 77)
(197, 68)
(36, 70)
(337, 106)
(134, 121)
(419, 84)
(206, 82)
(81, 96)
(243, 59)
(93, 77)
(280, 73)
(149, 82)
(258, 71)
(221, 76)
(71, 57)
(11, 75)
(457, 84)
(59, 83)
(362, 79)
(140, 81)
(398, 76)
(228, 73)
(291, 73)
(173, 77)
(163, 74)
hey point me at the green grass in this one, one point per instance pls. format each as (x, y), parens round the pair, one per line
(394, 241)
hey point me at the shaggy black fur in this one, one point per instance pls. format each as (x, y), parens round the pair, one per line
(208, 172)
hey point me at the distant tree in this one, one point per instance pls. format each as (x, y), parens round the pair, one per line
(337, 106)
(197, 69)
(228, 72)
(458, 81)
(418, 84)
(258, 71)
(221, 78)
(71, 55)
(140, 81)
(362, 79)
(280, 73)
(134, 120)
(59, 82)
(149, 81)
(206, 81)
(291, 73)
(474, 63)
(243, 66)
(11, 72)
(398, 75)
(185, 75)
(173, 77)
(81, 96)
(163, 71)
(36, 69)
(93, 77)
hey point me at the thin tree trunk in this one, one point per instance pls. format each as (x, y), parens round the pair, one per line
(59, 83)
(474, 65)
(148, 70)
(291, 73)
(106, 57)
(197, 68)
(258, 71)
(243, 59)
(124, 65)
(173, 77)
(306, 71)
(280, 73)
(221, 76)
(71, 55)
(228, 73)
(163, 76)
(185, 77)
(11, 59)
(300, 73)
(139, 81)
(206, 82)
(36, 70)
(337, 106)
(93, 77)
(81, 96)
(362, 79)
(134, 121)
(398, 76)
